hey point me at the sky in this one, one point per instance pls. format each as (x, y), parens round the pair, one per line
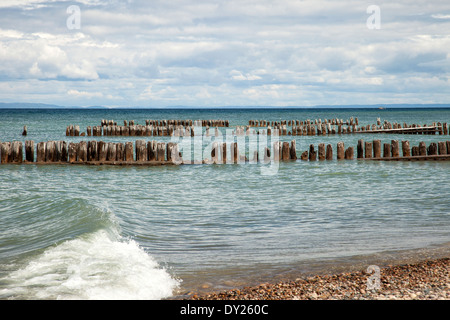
(133, 53)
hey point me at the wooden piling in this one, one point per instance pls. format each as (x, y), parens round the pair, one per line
(340, 151)
(377, 148)
(395, 149)
(321, 151)
(82, 151)
(360, 149)
(160, 151)
(349, 153)
(304, 156)
(293, 150)
(329, 152)
(29, 150)
(387, 150)
(406, 150)
(312, 153)
(432, 149)
(422, 149)
(129, 156)
(285, 152)
(72, 151)
(368, 153)
(442, 147)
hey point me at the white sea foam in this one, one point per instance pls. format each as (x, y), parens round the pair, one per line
(97, 266)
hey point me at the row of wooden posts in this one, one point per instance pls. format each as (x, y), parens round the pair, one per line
(89, 151)
(173, 122)
(153, 151)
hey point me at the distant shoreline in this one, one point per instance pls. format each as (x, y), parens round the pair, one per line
(381, 107)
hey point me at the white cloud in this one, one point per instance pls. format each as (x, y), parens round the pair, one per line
(253, 52)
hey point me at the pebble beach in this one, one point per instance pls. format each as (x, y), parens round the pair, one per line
(425, 280)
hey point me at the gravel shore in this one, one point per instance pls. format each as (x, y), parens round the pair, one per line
(426, 280)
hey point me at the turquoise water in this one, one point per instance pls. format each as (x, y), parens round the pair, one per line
(93, 232)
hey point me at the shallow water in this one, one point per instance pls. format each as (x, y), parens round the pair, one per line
(95, 232)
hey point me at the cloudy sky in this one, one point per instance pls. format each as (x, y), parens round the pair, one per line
(159, 53)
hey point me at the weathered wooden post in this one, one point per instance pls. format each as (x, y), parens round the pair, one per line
(293, 150)
(360, 149)
(50, 153)
(160, 151)
(141, 150)
(329, 152)
(368, 150)
(387, 150)
(304, 156)
(111, 153)
(322, 154)
(415, 151)
(285, 152)
(349, 153)
(234, 152)
(377, 148)
(72, 151)
(340, 151)
(120, 151)
(25, 131)
(82, 151)
(40, 152)
(29, 150)
(406, 150)
(422, 149)
(76, 130)
(395, 148)
(442, 147)
(432, 149)
(16, 152)
(5, 152)
(215, 152)
(102, 151)
(92, 151)
(266, 155)
(129, 156)
(312, 153)
(151, 150)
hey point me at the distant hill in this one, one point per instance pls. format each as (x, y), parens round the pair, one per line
(21, 105)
